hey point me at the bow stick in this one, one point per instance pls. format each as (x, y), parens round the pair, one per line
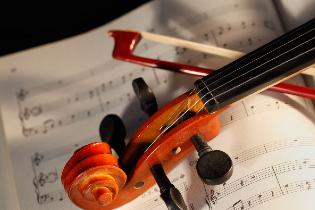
(126, 42)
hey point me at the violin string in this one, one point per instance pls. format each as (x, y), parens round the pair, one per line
(181, 114)
(286, 52)
(260, 57)
(249, 63)
(206, 86)
(185, 110)
(229, 73)
(252, 78)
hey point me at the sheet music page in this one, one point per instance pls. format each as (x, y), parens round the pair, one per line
(53, 98)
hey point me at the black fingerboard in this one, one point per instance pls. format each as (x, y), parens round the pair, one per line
(254, 72)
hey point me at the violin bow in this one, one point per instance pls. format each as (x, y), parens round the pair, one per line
(126, 42)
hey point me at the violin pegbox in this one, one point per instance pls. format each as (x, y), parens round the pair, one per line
(214, 166)
(95, 179)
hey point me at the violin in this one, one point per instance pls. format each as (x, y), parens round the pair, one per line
(95, 179)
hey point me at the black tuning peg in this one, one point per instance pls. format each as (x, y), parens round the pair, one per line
(169, 193)
(145, 95)
(213, 166)
(112, 130)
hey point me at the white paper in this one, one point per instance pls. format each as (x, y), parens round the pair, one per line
(53, 98)
(294, 12)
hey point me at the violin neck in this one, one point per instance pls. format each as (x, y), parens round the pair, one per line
(270, 64)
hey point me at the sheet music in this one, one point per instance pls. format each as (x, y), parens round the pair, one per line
(53, 98)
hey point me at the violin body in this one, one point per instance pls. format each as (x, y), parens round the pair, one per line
(152, 144)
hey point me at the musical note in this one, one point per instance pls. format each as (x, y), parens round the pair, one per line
(28, 131)
(25, 114)
(44, 178)
(213, 198)
(273, 193)
(30, 112)
(48, 125)
(50, 197)
(220, 30)
(260, 198)
(37, 158)
(21, 94)
(238, 205)
(180, 50)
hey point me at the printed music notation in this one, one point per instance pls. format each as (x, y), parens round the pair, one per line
(217, 35)
(273, 193)
(244, 109)
(237, 112)
(50, 197)
(264, 173)
(152, 196)
(270, 147)
(95, 95)
(47, 167)
(67, 81)
(42, 181)
(266, 148)
(271, 173)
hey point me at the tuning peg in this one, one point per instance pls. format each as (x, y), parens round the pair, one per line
(213, 166)
(113, 131)
(145, 95)
(169, 193)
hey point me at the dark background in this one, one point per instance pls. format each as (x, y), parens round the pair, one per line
(25, 25)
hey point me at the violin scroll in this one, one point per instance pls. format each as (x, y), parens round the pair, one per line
(92, 177)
